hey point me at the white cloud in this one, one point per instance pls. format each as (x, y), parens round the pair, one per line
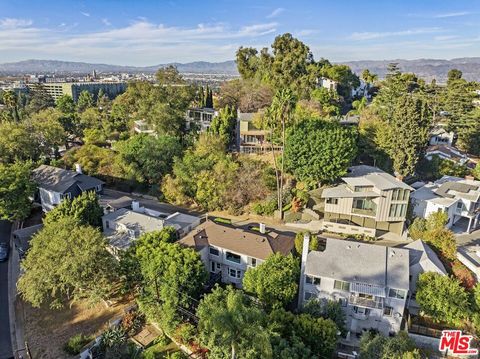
(140, 42)
(275, 13)
(378, 35)
(11, 23)
(106, 22)
(85, 14)
(452, 14)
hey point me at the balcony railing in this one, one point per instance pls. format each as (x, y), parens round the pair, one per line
(366, 302)
(366, 212)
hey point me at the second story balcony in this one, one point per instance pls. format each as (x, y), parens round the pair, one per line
(366, 301)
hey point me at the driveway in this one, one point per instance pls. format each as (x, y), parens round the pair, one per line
(5, 342)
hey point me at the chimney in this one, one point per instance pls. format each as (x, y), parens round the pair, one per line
(262, 228)
(78, 168)
(136, 206)
(306, 245)
(469, 178)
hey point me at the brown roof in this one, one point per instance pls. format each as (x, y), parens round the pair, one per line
(238, 240)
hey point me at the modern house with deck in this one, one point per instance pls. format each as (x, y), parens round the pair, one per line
(369, 202)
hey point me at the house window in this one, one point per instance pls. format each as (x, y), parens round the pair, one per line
(235, 258)
(252, 262)
(312, 280)
(363, 188)
(398, 210)
(338, 284)
(213, 265)
(98, 188)
(332, 200)
(459, 206)
(214, 251)
(308, 296)
(396, 293)
(107, 224)
(388, 311)
(235, 273)
(361, 310)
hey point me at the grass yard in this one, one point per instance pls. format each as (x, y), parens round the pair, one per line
(160, 351)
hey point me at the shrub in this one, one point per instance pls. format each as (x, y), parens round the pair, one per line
(132, 322)
(265, 208)
(76, 343)
(185, 333)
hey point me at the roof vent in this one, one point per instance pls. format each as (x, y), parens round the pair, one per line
(349, 247)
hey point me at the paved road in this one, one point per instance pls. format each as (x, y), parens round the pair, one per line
(5, 342)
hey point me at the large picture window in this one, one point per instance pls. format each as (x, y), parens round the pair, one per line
(232, 257)
(338, 284)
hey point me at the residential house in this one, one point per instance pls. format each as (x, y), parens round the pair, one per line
(201, 117)
(371, 283)
(446, 152)
(123, 226)
(229, 251)
(250, 138)
(440, 136)
(470, 256)
(55, 184)
(422, 259)
(369, 202)
(141, 126)
(458, 197)
(327, 83)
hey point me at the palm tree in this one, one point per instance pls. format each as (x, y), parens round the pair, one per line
(282, 107)
(228, 318)
(10, 101)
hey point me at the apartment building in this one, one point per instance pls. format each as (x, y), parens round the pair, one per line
(369, 202)
(458, 197)
(73, 89)
(370, 282)
(229, 251)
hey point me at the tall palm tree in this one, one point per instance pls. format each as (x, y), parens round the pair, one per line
(282, 107)
(10, 101)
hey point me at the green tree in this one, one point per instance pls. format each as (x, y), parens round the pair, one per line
(65, 104)
(10, 100)
(404, 136)
(225, 124)
(39, 99)
(319, 151)
(275, 281)
(328, 101)
(85, 209)
(85, 101)
(230, 325)
(376, 346)
(66, 260)
(443, 298)
(16, 143)
(16, 189)
(317, 334)
(146, 158)
(172, 276)
(47, 131)
(93, 159)
(329, 309)
(299, 237)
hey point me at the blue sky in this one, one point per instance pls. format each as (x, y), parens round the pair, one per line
(140, 32)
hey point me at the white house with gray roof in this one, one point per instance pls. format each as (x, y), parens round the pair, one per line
(369, 201)
(458, 197)
(124, 225)
(55, 184)
(370, 281)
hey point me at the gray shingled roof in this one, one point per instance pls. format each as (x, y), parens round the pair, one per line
(59, 180)
(421, 253)
(373, 176)
(357, 262)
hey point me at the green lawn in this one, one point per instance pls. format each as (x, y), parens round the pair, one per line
(159, 351)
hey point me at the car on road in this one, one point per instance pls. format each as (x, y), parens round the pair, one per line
(4, 250)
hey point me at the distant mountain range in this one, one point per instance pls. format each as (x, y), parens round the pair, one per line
(424, 68)
(69, 67)
(427, 69)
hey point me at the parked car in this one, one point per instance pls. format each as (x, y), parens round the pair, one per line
(4, 249)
